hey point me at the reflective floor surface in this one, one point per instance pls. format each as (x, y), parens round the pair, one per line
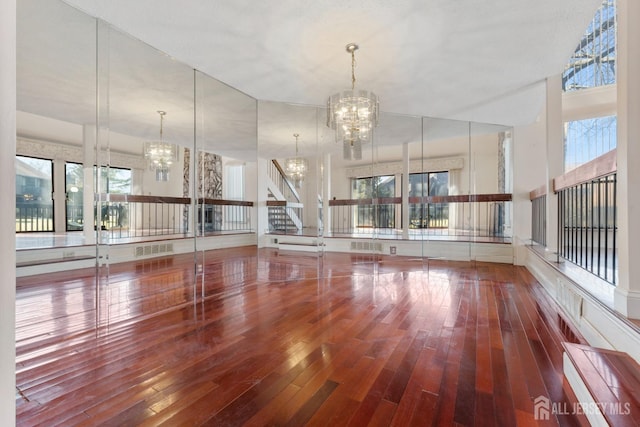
(257, 337)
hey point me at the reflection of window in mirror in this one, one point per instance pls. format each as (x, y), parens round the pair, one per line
(429, 215)
(74, 187)
(115, 180)
(429, 184)
(377, 186)
(378, 215)
(233, 182)
(34, 201)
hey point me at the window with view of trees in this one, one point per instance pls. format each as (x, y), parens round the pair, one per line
(74, 187)
(594, 61)
(34, 201)
(593, 64)
(428, 215)
(588, 139)
(588, 209)
(113, 180)
(379, 215)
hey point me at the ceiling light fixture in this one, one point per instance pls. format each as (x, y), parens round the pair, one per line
(160, 155)
(353, 114)
(296, 167)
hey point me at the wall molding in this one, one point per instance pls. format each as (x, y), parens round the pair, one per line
(72, 153)
(415, 166)
(600, 325)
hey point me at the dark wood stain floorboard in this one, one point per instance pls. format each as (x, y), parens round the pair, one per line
(280, 339)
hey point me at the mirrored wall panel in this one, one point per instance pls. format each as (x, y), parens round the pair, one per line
(222, 174)
(171, 187)
(55, 145)
(290, 190)
(145, 125)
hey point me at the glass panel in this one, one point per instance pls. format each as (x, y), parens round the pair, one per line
(145, 122)
(593, 62)
(289, 206)
(115, 215)
(56, 103)
(74, 185)
(432, 215)
(370, 218)
(223, 181)
(584, 140)
(34, 194)
(396, 152)
(56, 95)
(446, 179)
(490, 158)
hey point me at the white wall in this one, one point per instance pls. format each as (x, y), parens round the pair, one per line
(483, 165)
(340, 184)
(251, 190)
(172, 187)
(309, 191)
(7, 212)
(529, 165)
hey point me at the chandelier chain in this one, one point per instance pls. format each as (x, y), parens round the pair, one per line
(353, 70)
(162, 114)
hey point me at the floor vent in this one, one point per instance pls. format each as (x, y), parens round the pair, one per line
(567, 330)
(153, 249)
(569, 299)
(365, 246)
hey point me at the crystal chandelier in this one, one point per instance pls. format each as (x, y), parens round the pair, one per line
(353, 114)
(296, 167)
(160, 155)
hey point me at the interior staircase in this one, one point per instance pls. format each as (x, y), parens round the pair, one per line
(284, 206)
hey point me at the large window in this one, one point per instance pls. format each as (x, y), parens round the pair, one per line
(587, 211)
(587, 139)
(74, 187)
(428, 215)
(375, 215)
(592, 65)
(116, 180)
(593, 62)
(34, 201)
(113, 180)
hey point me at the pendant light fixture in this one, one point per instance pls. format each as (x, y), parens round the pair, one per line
(296, 167)
(160, 154)
(353, 114)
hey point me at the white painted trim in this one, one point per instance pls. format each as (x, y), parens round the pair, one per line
(600, 325)
(582, 393)
(588, 103)
(415, 166)
(73, 153)
(627, 302)
(124, 252)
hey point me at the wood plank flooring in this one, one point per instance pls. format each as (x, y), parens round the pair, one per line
(288, 339)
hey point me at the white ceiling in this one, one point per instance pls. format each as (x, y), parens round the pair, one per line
(462, 60)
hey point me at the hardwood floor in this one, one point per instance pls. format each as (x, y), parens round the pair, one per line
(272, 344)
